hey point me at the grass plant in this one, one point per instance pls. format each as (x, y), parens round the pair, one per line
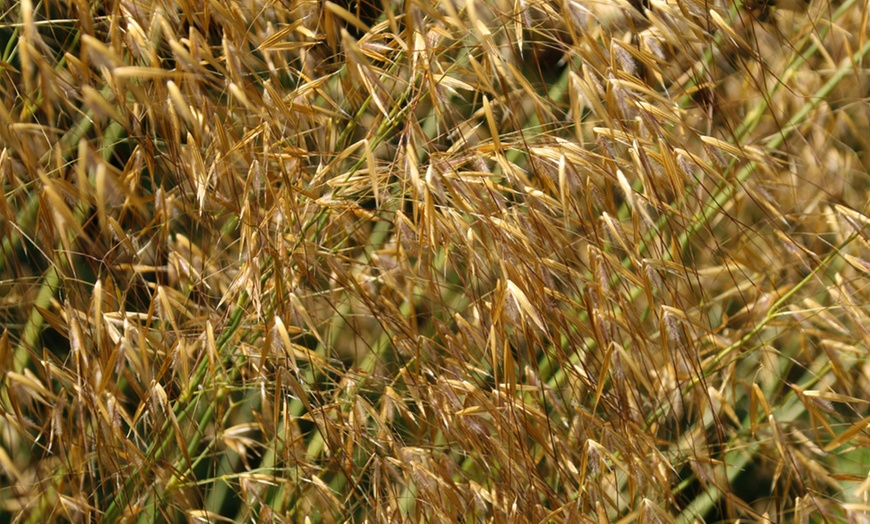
(475, 261)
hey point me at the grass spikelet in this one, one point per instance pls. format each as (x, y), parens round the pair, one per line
(477, 261)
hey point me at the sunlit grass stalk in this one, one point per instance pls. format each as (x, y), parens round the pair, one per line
(183, 409)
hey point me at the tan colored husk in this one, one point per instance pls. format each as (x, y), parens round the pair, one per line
(499, 261)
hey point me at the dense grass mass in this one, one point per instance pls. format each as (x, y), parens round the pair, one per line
(459, 260)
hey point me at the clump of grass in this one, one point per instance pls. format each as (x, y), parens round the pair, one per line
(543, 260)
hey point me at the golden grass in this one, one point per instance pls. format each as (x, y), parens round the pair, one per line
(530, 261)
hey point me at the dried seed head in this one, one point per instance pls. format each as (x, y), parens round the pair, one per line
(594, 457)
(626, 61)
(407, 233)
(685, 166)
(578, 15)
(714, 154)
(653, 276)
(653, 44)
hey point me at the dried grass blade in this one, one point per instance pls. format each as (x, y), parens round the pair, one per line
(346, 15)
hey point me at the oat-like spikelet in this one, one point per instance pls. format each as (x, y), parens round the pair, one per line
(484, 260)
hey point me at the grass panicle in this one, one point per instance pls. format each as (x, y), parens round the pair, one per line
(531, 261)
